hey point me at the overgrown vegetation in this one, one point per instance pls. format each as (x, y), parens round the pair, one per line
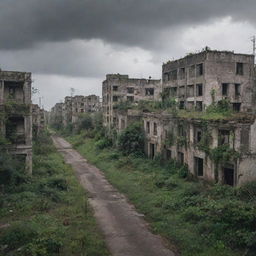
(202, 220)
(45, 214)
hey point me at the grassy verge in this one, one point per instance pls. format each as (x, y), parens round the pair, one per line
(48, 213)
(201, 220)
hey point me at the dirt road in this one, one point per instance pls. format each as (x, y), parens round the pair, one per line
(125, 230)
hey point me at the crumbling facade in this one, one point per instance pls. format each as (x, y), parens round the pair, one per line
(215, 148)
(16, 116)
(120, 88)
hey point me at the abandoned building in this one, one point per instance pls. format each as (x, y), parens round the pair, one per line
(16, 117)
(215, 149)
(198, 80)
(68, 112)
(120, 88)
(38, 119)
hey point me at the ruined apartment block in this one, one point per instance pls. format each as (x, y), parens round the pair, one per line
(198, 80)
(56, 115)
(16, 118)
(84, 104)
(120, 88)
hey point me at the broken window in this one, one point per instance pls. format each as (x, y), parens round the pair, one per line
(155, 128)
(181, 157)
(152, 150)
(192, 71)
(199, 69)
(115, 98)
(236, 107)
(149, 91)
(130, 89)
(14, 90)
(173, 74)
(199, 90)
(199, 106)
(225, 89)
(190, 90)
(166, 76)
(197, 134)
(182, 105)
(199, 166)
(148, 127)
(224, 136)
(237, 89)
(115, 88)
(239, 68)
(182, 73)
(130, 98)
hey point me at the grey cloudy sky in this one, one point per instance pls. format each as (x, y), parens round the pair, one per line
(74, 43)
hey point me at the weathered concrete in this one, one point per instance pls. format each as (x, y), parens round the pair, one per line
(125, 230)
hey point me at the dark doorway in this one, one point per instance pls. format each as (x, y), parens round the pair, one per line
(152, 150)
(229, 176)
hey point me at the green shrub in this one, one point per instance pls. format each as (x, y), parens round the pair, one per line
(247, 191)
(103, 143)
(131, 140)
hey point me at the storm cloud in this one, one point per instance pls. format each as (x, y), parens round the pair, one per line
(25, 23)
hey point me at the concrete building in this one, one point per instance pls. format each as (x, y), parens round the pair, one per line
(120, 88)
(16, 117)
(38, 119)
(198, 80)
(68, 112)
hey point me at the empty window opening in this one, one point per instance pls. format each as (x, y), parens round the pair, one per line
(149, 91)
(182, 73)
(199, 90)
(173, 74)
(148, 127)
(166, 77)
(182, 105)
(181, 157)
(198, 135)
(236, 107)
(237, 90)
(229, 176)
(199, 166)
(130, 90)
(168, 154)
(14, 90)
(115, 88)
(199, 106)
(239, 68)
(130, 98)
(225, 89)
(152, 150)
(199, 69)
(155, 128)
(115, 98)
(224, 136)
